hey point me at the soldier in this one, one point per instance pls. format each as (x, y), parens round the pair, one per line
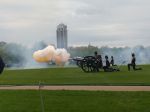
(109, 68)
(106, 68)
(96, 68)
(133, 64)
(2, 65)
(96, 54)
(112, 61)
(98, 62)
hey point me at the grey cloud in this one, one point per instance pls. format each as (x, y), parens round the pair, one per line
(120, 21)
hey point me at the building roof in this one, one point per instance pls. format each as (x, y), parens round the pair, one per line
(62, 26)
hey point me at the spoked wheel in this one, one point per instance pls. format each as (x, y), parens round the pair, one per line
(79, 63)
(84, 67)
(87, 64)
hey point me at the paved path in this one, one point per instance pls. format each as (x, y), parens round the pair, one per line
(88, 88)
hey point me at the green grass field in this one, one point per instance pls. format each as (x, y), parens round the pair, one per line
(75, 76)
(74, 101)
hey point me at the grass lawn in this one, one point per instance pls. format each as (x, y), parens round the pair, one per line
(75, 76)
(74, 101)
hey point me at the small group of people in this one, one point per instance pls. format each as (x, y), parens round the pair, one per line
(109, 65)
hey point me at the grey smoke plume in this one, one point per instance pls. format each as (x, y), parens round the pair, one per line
(123, 55)
(20, 56)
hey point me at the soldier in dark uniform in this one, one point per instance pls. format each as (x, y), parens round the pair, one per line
(98, 62)
(109, 68)
(112, 61)
(106, 68)
(133, 64)
(96, 68)
(2, 65)
(96, 54)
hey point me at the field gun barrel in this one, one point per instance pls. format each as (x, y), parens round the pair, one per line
(77, 59)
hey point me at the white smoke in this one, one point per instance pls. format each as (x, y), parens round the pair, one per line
(48, 54)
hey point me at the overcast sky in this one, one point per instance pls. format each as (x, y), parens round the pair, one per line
(99, 22)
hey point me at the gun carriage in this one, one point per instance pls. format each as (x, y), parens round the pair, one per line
(92, 64)
(87, 64)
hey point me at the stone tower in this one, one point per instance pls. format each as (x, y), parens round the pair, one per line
(62, 36)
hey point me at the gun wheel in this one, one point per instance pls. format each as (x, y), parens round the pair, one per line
(86, 67)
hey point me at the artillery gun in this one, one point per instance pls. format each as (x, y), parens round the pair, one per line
(92, 64)
(87, 64)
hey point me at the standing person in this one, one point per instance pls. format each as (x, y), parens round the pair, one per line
(99, 62)
(133, 63)
(106, 68)
(2, 65)
(96, 62)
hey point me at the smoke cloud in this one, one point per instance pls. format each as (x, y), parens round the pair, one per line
(124, 54)
(41, 55)
(48, 54)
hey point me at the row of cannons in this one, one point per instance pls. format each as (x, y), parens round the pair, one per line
(93, 64)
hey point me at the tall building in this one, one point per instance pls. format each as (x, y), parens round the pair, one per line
(62, 37)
